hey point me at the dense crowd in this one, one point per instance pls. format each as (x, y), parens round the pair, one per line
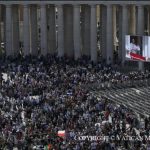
(39, 97)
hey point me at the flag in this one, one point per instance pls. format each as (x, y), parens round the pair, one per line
(61, 133)
(48, 147)
(137, 57)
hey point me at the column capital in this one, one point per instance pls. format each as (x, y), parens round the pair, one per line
(108, 5)
(76, 5)
(124, 5)
(8, 5)
(140, 6)
(43, 5)
(92, 5)
(59, 5)
(25, 5)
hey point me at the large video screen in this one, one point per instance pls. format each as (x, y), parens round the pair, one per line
(137, 48)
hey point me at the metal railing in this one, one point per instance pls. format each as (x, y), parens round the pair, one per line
(118, 85)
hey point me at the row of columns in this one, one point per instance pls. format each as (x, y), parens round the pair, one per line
(69, 31)
(75, 36)
(30, 30)
(65, 27)
(70, 27)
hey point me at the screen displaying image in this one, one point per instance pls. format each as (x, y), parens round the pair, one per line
(135, 48)
(146, 48)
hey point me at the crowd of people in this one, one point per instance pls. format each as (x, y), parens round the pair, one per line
(39, 97)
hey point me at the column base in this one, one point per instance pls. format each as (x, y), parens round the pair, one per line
(141, 66)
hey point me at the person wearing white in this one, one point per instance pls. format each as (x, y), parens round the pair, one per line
(133, 47)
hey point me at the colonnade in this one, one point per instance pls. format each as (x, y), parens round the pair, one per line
(71, 30)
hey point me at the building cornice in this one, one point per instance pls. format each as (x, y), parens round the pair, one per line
(56, 2)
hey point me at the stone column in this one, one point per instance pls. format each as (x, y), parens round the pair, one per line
(140, 20)
(93, 34)
(60, 31)
(43, 24)
(140, 28)
(20, 12)
(76, 32)
(123, 31)
(98, 13)
(148, 20)
(68, 30)
(132, 29)
(103, 14)
(85, 30)
(9, 51)
(146, 14)
(16, 44)
(51, 29)
(114, 27)
(109, 35)
(3, 26)
(0, 26)
(26, 30)
(34, 30)
(20, 9)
